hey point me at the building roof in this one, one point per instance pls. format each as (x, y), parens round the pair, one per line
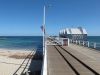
(84, 31)
(67, 31)
(75, 31)
(78, 30)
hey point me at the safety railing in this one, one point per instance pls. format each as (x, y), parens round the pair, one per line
(89, 44)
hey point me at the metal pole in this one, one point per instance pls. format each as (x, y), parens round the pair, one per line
(44, 31)
(44, 71)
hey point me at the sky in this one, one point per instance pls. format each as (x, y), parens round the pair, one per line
(24, 17)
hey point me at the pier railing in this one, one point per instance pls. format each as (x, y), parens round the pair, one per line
(89, 44)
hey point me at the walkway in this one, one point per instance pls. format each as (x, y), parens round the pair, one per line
(72, 60)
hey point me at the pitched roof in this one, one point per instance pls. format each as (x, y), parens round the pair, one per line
(74, 31)
(84, 31)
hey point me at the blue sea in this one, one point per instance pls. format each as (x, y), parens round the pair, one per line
(94, 39)
(21, 42)
(29, 42)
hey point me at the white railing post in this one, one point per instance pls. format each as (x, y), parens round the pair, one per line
(70, 41)
(79, 42)
(88, 43)
(76, 41)
(94, 45)
(83, 43)
(73, 41)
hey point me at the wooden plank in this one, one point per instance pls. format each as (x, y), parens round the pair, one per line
(56, 64)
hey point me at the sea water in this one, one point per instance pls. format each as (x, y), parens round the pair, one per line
(21, 42)
(95, 39)
(30, 42)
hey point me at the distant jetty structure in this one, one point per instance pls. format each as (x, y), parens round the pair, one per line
(78, 33)
(70, 54)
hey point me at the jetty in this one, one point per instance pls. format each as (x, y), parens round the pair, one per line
(70, 60)
(70, 53)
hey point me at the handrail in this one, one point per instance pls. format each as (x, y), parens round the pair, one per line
(89, 44)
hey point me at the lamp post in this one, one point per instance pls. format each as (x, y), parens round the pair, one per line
(44, 71)
(44, 31)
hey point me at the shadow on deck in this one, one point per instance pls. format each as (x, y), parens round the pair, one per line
(36, 64)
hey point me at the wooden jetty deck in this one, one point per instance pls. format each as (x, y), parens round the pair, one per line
(72, 60)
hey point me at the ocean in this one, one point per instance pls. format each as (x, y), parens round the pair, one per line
(94, 39)
(30, 42)
(21, 42)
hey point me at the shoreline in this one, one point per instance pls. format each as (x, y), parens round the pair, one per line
(13, 53)
(16, 49)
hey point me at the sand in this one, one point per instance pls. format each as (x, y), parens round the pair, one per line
(10, 60)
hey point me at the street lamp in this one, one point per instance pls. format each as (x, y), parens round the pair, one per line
(44, 31)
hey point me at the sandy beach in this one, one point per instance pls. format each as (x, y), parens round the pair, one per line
(10, 60)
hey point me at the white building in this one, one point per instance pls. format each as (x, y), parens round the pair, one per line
(74, 33)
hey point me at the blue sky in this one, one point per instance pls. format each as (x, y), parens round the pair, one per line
(24, 17)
